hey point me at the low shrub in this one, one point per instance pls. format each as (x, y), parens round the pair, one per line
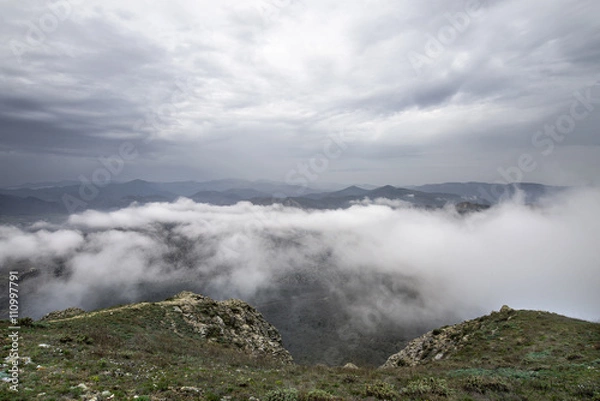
(482, 384)
(430, 385)
(318, 395)
(381, 390)
(287, 394)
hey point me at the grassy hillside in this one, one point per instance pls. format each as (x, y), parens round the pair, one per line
(149, 352)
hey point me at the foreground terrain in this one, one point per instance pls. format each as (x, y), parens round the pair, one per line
(192, 348)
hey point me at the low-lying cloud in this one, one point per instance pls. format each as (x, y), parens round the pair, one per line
(375, 263)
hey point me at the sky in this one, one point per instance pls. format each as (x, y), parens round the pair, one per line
(395, 92)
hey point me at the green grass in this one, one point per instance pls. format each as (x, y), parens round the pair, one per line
(524, 355)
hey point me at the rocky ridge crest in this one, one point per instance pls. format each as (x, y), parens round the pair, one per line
(441, 343)
(232, 322)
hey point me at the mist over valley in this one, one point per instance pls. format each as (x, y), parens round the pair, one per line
(352, 283)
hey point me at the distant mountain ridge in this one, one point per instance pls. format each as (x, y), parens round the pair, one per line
(45, 198)
(15, 205)
(483, 192)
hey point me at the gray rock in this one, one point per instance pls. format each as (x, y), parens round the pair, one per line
(228, 322)
(433, 345)
(444, 342)
(63, 314)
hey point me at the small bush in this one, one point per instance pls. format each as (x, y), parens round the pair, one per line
(162, 384)
(211, 397)
(25, 321)
(84, 339)
(318, 395)
(588, 390)
(541, 384)
(287, 394)
(244, 381)
(65, 339)
(536, 356)
(381, 390)
(481, 384)
(429, 385)
(574, 357)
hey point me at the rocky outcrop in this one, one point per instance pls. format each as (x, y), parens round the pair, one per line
(231, 322)
(63, 314)
(433, 345)
(440, 343)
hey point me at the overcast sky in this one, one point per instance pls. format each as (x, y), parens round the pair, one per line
(376, 91)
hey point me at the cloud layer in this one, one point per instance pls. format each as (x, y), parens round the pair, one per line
(382, 263)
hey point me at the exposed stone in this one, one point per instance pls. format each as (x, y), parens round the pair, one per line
(63, 314)
(430, 346)
(443, 342)
(189, 389)
(351, 366)
(228, 322)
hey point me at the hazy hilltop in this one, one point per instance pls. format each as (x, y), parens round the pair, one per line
(190, 347)
(512, 337)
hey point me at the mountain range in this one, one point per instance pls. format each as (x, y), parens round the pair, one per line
(67, 196)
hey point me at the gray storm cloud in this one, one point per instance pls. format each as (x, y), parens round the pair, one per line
(206, 89)
(543, 257)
